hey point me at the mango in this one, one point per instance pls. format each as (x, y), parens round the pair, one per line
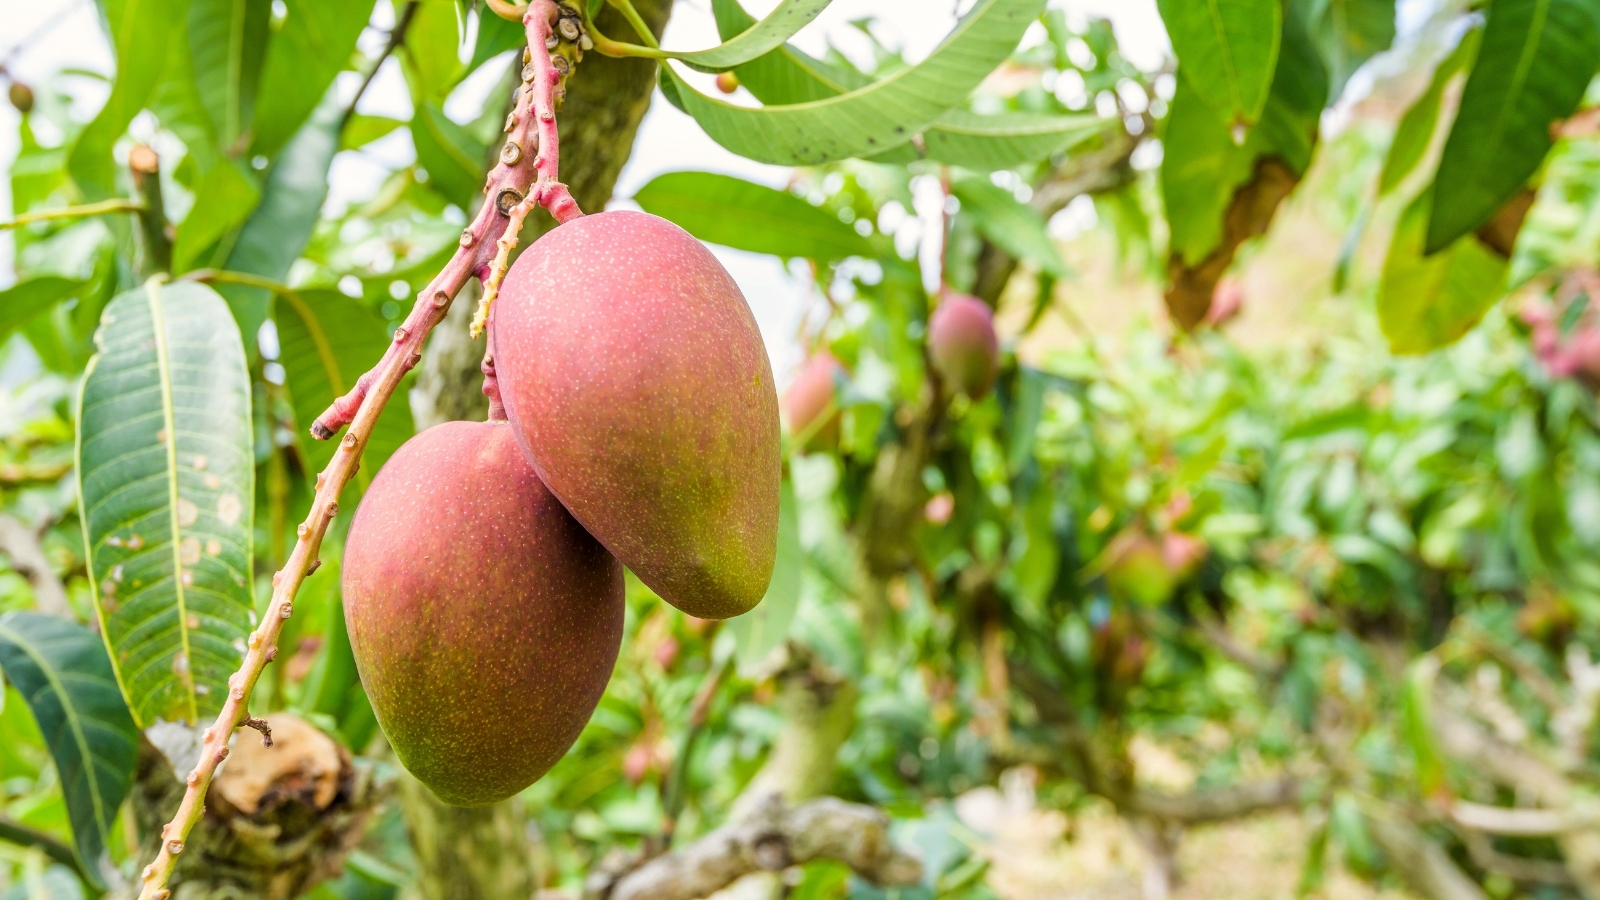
(810, 405)
(963, 346)
(637, 383)
(485, 620)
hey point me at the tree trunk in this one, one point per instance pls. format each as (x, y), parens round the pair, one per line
(483, 853)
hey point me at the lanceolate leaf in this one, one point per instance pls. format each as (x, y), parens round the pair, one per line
(874, 118)
(223, 199)
(1428, 302)
(454, 159)
(140, 32)
(27, 299)
(789, 17)
(326, 340)
(60, 669)
(310, 48)
(1008, 223)
(1227, 49)
(166, 479)
(721, 209)
(430, 50)
(1350, 32)
(1415, 131)
(1536, 58)
(760, 631)
(227, 45)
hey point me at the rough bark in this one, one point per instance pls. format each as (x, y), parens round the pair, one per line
(818, 711)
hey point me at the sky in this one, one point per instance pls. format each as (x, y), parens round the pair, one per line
(40, 37)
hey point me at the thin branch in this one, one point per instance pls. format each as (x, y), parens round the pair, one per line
(103, 208)
(1520, 822)
(397, 36)
(637, 21)
(1218, 804)
(1517, 868)
(223, 276)
(358, 409)
(21, 543)
(153, 226)
(13, 832)
(772, 838)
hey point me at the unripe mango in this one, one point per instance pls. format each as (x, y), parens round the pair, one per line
(636, 380)
(810, 397)
(963, 345)
(485, 621)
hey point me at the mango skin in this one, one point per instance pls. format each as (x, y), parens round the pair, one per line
(963, 346)
(809, 397)
(485, 620)
(637, 382)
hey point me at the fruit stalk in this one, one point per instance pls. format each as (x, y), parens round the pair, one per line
(517, 176)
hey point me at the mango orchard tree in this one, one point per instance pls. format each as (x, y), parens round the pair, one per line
(1356, 583)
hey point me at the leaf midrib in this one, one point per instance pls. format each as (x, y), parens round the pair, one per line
(159, 327)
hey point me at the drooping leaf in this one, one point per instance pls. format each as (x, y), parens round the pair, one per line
(60, 669)
(166, 475)
(874, 118)
(1200, 168)
(140, 33)
(453, 158)
(758, 39)
(1535, 60)
(430, 52)
(1008, 223)
(33, 297)
(363, 129)
(223, 199)
(784, 75)
(227, 46)
(758, 632)
(721, 209)
(279, 229)
(1429, 301)
(326, 341)
(1350, 32)
(495, 36)
(313, 45)
(1415, 131)
(1227, 49)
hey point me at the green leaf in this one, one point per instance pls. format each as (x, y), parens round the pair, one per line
(876, 117)
(1008, 140)
(166, 483)
(757, 39)
(430, 52)
(1417, 712)
(721, 209)
(313, 45)
(363, 129)
(60, 669)
(761, 630)
(279, 229)
(140, 33)
(495, 36)
(28, 299)
(223, 199)
(1429, 301)
(326, 341)
(1008, 223)
(227, 47)
(1536, 58)
(1227, 49)
(1415, 131)
(1350, 32)
(454, 159)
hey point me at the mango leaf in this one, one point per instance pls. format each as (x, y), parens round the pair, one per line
(224, 198)
(430, 51)
(140, 33)
(454, 159)
(1227, 49)
(60, 668)
(495, 36)
(1536, 58)
(1429, 301)
(166, 483)
(227, 47)
(1350, 32)
(761, 630)
(33, 297)
(279, 229)
(1415, 131)
(1417, 713)
(363, 129)
(754, 40)
(721, 209)
(1008, 223)
(873, 118)
(986, 143)
(313, 44)
(326, 341)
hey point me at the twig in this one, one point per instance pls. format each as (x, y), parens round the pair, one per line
(1520, 822)
(17, 833)
(360, 409)
(637, 21)
(21, 543)
(673, 792)
(104, 207)
(397, 36)
(146, 168)
(771, 839)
